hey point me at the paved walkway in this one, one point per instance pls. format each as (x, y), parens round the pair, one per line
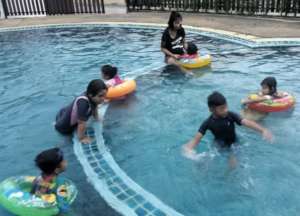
(257, 26)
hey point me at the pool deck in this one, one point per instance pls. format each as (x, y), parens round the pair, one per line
(260, 27)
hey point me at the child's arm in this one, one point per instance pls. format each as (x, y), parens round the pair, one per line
(257, 99)
(189, 146)
(81, 128)
(168, 53)
(253, 125)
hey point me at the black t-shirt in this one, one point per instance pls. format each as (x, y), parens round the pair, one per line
(63, 118)
(222, 128)
(175, 45)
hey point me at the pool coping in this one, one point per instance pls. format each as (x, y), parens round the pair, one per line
(243, 39)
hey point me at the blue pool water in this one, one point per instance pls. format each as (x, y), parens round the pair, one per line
(42, 70)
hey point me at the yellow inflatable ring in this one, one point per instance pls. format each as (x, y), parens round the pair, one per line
(198, 62)
(125, 88)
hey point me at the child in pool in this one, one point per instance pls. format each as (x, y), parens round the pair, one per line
(48, 185)
(191, 51)
(222, 124)
(110, 75)
(268, 92)
(76, 114)
(173, 39)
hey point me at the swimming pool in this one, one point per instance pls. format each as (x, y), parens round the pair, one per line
(43, 69)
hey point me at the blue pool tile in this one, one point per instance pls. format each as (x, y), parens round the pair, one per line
(117, 180)
(101, 175)
(139, 198)
(115, 190)
(149, 206)
(90, 158)
(158, 212)
(110, 174)
(130, 192)
(102, 162)
(124, 187)
(94, 164)
(98, 156)
(98, 170)
(109, 182)
(131, 203)
(122, 196)
(140, 212)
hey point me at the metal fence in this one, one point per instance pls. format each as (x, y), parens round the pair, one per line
(20, 8)
(242, 7)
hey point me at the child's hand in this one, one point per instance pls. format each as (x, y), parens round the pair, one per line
(267, 135)
(85, 140)
(176, 56)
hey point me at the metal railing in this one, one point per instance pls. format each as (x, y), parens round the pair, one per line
(20, 8)
(242, 7)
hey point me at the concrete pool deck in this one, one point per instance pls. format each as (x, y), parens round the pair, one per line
(255, 26)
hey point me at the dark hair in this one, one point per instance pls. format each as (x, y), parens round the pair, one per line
(173, 17)
(95, 86)
(271, 83)
(49, 160)
(216, 99)
(109, 71)
(192, 48)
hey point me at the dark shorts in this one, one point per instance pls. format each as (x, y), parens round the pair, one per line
(62, 123)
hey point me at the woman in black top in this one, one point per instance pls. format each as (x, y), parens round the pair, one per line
(173, 39)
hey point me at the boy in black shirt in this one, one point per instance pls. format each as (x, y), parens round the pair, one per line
(222, 124)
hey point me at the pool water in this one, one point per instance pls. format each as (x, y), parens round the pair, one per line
(43, 69)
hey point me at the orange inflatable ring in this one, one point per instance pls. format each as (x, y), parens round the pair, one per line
(273, 105)
(121, 90)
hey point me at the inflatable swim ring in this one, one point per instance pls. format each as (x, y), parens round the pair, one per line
(15, 196)
(121, 90)
(193, 63)
(273, 105)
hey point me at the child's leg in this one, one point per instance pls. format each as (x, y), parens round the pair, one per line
(173, 61)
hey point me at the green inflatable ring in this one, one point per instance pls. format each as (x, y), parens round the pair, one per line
(15, 196)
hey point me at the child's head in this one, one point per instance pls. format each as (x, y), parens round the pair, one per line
(96, 91)
(108, 72)
(51, 161)
(217, 104)
(175, 20)
(269, 86)
(192, 49)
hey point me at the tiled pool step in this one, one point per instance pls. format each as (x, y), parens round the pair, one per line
(122, 193)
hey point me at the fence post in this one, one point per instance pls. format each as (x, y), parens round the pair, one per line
(2, 12)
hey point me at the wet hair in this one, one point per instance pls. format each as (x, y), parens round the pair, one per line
(109, 71)
(271, 83)
(95, 86)
(192, 48)
(173, 17)
(216, 99)
(49, 160)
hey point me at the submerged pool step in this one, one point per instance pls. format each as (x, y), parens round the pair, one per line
(122, 193)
